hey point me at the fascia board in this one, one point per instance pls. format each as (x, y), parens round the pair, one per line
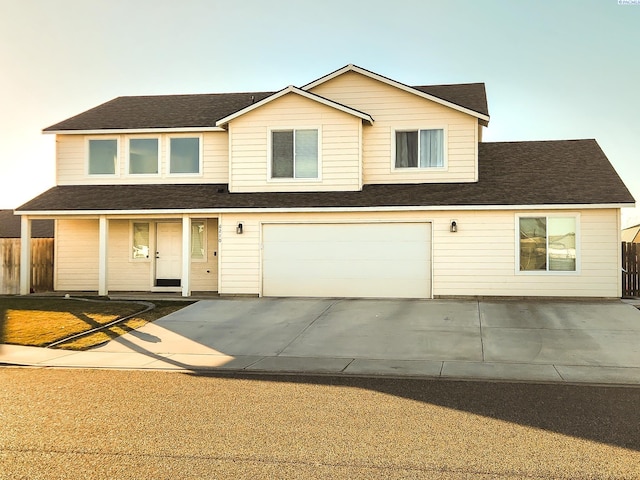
(441, 208)
(133, 130)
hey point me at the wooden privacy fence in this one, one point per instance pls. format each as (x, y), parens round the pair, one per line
(41, 265)
(630, 269)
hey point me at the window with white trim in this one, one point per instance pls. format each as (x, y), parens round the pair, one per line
(102, 156)
(198, 240)
(143, 156)
(184, 155)
(294, 153)
(140, 241)
(547, 243)
(419, 148)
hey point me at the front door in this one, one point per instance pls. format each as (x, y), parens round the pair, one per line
(168, 254)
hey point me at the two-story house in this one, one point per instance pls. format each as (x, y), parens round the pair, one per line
(354, 185)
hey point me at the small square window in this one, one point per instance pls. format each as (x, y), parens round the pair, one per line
(103, 156)
(294, 153)
(184, 155)
(143, 156)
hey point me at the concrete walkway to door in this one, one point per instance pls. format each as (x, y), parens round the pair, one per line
(546, 341)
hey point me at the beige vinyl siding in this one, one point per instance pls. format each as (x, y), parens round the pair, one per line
(479, 260)
(204, 275)
(76, 257)
(71, 160)
(393, 109)
(239, 261)
(123, 272)
(339, 150)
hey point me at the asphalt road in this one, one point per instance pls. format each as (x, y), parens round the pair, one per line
(97, 424)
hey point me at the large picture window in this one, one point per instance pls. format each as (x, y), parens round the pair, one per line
(143, 156)
(420, 148)
(548, 244)
(184, 155)
(103, 156)
(294, 153)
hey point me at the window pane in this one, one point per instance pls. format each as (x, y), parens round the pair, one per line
(306, 154)
(102, 157)
(406, 149)
(143, 155)
(282, 154)
(533, 243)
(562, 244)
(197, 241)
(431, 148)
(140, 240)
(185, 155)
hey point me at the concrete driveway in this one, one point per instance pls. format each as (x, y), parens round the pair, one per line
(582, 341)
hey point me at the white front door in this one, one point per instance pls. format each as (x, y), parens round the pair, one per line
(168, 254)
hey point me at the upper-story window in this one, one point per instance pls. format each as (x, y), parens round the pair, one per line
(184, 155)
(294, 153)
(143, 156)
(103, 156)
(420, 148)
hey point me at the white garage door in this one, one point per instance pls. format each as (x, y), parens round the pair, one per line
(347, 260)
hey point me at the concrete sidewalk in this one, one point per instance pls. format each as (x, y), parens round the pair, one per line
(596, 342)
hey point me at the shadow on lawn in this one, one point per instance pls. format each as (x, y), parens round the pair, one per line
(51, 312)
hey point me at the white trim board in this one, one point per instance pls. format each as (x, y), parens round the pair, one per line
(216, 211)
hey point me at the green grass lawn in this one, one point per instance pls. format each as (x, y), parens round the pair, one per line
(41, 321)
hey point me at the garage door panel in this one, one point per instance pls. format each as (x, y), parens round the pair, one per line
(355, 270)
(414, 251)
(323, 232)
(347, 260)
(376, 288)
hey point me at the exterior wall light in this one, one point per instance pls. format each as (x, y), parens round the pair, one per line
(239, 229)
(454, 226)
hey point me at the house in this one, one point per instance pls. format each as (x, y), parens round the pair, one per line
(41, 246)
(631, 234)
(354, 185)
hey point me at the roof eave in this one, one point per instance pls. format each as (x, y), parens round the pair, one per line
(100, 131)
(180, 211)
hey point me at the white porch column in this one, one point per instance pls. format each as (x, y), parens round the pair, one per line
(186, 256)
(25, 255)
(103, 241)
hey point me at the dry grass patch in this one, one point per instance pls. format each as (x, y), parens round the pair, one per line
(41, 321)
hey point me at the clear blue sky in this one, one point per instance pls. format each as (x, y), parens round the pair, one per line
(553, 69)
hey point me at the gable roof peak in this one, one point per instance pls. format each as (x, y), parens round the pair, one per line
(298, 91)
(479, 109)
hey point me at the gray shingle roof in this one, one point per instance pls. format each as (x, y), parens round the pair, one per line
(160, 111)
(469, 95)
(204, 110)
(564, 172)
(10, 226)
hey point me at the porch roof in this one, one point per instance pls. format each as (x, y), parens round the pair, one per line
(565, 172)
